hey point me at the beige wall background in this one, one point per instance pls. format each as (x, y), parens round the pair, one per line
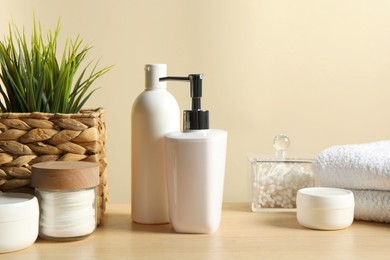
(315, 70)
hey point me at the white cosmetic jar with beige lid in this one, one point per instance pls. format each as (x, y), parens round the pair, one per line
(19, 221)
(325, 208)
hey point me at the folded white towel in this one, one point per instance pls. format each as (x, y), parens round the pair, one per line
(357, 166)
(371, 205)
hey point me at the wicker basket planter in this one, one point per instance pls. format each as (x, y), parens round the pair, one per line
(28, 138)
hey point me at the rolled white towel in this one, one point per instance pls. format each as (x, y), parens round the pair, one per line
(356, 166)
(372, 205)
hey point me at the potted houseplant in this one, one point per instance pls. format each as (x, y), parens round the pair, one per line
(42, 116)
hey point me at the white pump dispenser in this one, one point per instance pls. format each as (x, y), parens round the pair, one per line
(195, 167)
(155, 113)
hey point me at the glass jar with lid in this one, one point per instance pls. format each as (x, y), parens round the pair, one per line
(276, 180)
(66, 192)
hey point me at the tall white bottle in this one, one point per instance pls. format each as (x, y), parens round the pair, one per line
(195, 163)
(155, 113)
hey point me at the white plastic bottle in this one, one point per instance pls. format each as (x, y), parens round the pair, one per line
(155, 113)
(195, 163)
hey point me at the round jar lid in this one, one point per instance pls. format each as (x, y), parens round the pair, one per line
(325, 198)
(17, 206)
(281, 144)
(65, 175)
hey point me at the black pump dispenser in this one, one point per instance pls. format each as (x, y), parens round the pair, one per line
(196, 118)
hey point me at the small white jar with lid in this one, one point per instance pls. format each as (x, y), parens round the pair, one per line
(67, 198)
(325, 208)
(19, 216)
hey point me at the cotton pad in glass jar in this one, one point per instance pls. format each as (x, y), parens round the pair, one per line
(325, 208)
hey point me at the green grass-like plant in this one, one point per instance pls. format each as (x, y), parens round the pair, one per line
(34, 80)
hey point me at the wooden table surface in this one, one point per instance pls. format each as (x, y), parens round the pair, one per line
(242, 235)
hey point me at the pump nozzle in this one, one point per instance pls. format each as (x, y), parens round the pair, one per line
(196, 118)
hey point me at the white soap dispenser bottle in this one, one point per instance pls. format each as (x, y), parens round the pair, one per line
(155, 113)
(195, 167)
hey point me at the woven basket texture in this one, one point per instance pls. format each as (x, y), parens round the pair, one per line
(28, 138)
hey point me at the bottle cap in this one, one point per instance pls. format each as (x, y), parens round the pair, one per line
(153, 72)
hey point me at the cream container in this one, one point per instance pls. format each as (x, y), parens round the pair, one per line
(325, 208)
(67, 198)
(19, 220)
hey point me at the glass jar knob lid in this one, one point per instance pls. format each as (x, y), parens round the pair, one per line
(281, 144)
